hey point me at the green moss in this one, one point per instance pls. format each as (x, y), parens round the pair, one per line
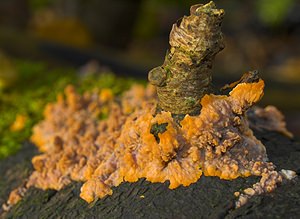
(168, 70)
(158, 128)
(190, 101)
(37, 85)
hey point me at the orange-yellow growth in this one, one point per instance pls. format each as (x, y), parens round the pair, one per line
(76, 145)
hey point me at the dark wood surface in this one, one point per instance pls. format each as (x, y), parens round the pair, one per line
(210, 197)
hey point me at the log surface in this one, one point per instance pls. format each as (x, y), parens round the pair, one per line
(210, 197)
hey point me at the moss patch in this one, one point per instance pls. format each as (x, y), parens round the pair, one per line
(158, 128)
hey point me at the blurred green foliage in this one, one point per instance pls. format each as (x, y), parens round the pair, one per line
(36, 86)
(7, 72)
(273, 12)
(37, 4)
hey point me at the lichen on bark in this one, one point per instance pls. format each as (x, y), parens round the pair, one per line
(186, 73)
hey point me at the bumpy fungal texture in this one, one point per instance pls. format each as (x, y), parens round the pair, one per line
(138, 141)
(19, 123)
(268, 118)
(186, 73)
(77, 145)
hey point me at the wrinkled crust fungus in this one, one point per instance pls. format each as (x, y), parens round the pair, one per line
(269, 118)
(77, 145)
(138, 141)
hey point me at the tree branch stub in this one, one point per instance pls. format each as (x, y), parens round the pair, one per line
(186, 74)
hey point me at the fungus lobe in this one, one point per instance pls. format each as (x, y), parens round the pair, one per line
(138, 141)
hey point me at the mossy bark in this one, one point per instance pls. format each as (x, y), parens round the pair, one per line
(186, 73)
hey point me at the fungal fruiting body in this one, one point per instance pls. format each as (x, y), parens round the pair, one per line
(269, 118)
(78, 146)
(138, 141)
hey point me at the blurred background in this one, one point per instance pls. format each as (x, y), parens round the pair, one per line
(130, 37)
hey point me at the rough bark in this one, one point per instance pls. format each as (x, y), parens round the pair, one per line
(186, 73)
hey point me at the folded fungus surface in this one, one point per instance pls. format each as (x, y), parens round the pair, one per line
(102, 140)
(77, 145)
